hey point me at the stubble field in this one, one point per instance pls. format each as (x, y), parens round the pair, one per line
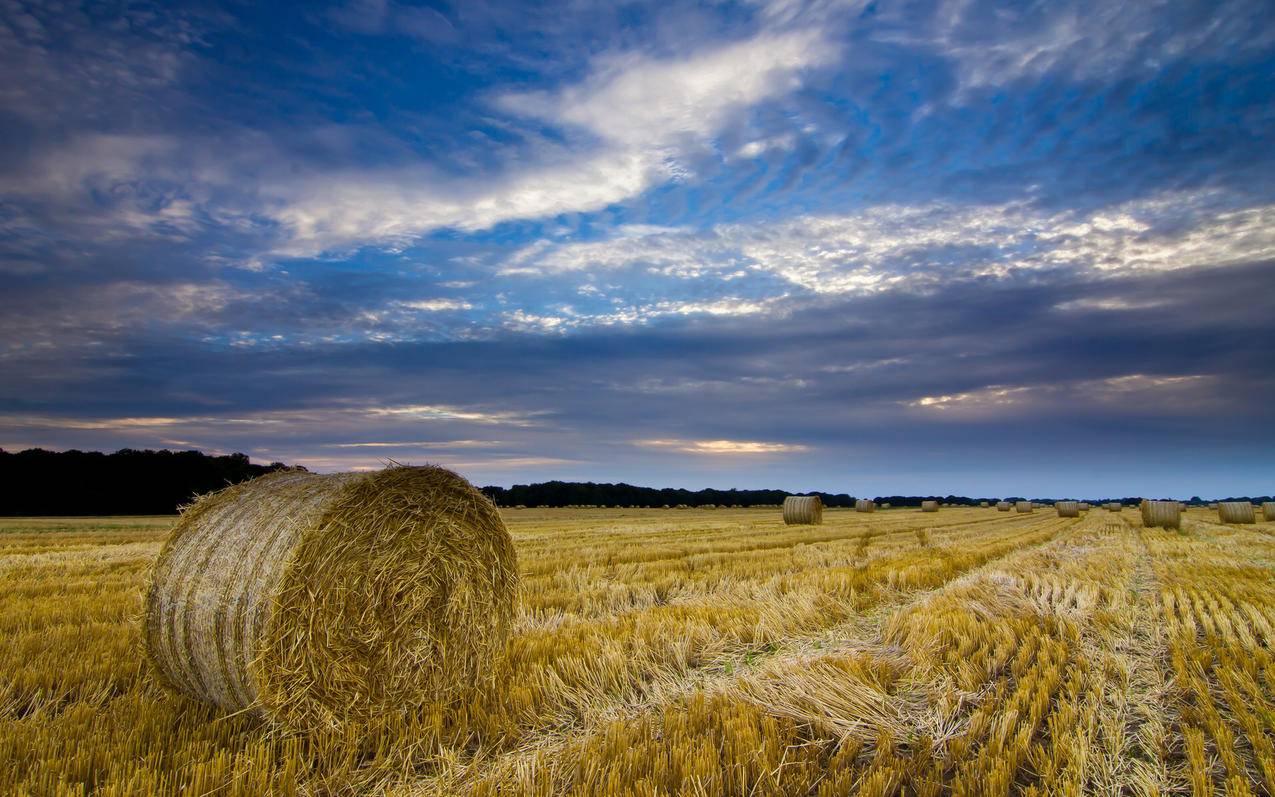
(717, 652)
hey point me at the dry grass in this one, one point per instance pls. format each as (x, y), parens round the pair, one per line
(687, 652)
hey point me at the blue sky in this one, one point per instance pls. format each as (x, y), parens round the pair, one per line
(950, 247)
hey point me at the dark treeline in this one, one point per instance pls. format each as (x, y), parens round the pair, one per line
(132, 482)
(556, 493)
(128, 482)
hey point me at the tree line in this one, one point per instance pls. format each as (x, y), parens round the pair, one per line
(127, 482)
(146, 482)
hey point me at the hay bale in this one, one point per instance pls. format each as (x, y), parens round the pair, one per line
(984, 504)
(886, 505)
(803, 510)
(1003, 506)
(1114, 506)
(1236, 512)
(333, 602)
(1068, 508)
(1164, 514)
(929, 506)
(1084, 507)
(864, 505)
(1024, 507)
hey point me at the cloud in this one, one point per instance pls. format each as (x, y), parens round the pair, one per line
(993, 45)
(920, 247)
(641, 103)
(437, 305)
(640, 114)
(1117, 392)
(429, 444)
(723, 447)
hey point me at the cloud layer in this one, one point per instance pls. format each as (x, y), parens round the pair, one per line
(870, 247)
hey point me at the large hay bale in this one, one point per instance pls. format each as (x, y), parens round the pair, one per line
(1164, 514)
(803, 510)
(1003, 506)
(1068, 508)
(331, 602)
(864, 505)
(1024, 507)
(1268, 511)
(1236, 512)
(929, 506)
(1114, 506)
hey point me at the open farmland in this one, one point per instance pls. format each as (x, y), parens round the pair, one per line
(717, 652)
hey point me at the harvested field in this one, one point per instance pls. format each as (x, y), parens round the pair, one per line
(723, 652)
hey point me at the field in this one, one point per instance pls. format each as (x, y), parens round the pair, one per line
(717, 652)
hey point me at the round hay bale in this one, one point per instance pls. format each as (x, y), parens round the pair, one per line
(864, 505)
(984, 504)
(1236, 512)
(1084, 507)
(1164, 514)
(1114, 506)
(929, 506)
(886, 505)
(803, 510)
(332, 602)
(1025, 507)
(1268, 511)
(1068, 508)
(1003, 506)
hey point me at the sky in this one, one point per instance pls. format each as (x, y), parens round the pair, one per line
(935, 247)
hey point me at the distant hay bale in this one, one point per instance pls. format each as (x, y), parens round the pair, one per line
(1114, 506)
(1068, 508)
(1024, 507)
(1236, 512)
(864, 505)
(709, 506)
(803, 510)
(333, 602)
(886, 505)
(1084, 507)
(1162, 514)
(984, 504)
(1003, 506)
(1213, 505)
(929, 506)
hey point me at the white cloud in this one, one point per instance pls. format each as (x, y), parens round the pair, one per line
(640, 112)
(637, 314)
(723, 447)
(431, 444)
(639, 102)
(1120, 392)
(922, 246)
(436, 305)
(993, 44)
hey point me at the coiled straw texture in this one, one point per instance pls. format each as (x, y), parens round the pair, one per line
(803, 510)
(1236, 512)
(330, 602)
